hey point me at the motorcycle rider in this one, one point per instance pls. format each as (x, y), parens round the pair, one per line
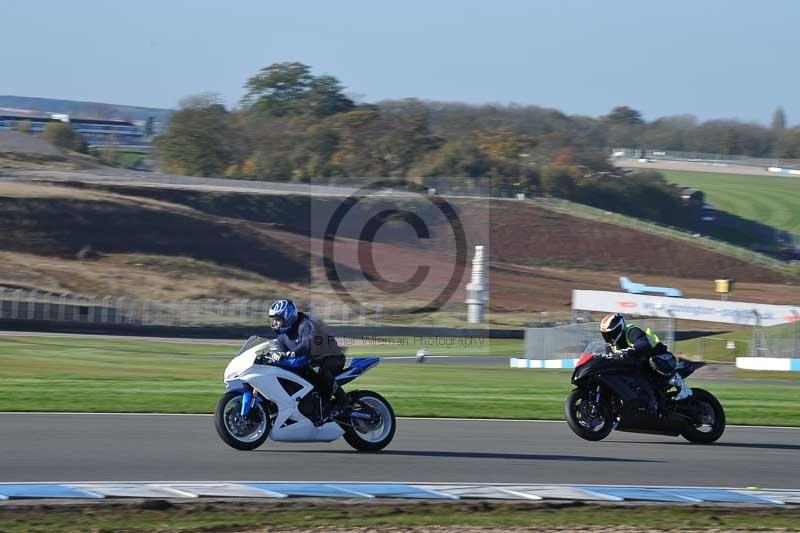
(631, 341)
(301, 335)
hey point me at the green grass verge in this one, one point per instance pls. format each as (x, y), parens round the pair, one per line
(100, 375)
(766, 375)
(349, 516)
(774, 201)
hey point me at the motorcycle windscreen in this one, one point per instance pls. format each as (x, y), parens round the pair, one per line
(250, 342)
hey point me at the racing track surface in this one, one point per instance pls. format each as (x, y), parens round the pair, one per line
(105, 447)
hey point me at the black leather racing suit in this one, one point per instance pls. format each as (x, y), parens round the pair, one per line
(642, 351)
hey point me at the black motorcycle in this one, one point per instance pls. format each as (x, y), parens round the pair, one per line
(613, 393)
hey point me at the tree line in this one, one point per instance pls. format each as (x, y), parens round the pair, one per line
(292, 125)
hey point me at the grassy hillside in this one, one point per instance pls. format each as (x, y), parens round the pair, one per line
(171, 244)
(720, 246)
(774, 201)
(553, 235)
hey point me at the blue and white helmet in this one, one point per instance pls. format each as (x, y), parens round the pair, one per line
(285, 310)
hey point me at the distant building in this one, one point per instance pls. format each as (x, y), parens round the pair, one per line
(97, 132)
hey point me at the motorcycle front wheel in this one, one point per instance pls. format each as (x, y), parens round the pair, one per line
(237, 431)
(587, 419)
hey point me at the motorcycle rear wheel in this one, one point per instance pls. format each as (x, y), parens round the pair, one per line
(712, 415)
(595, 427)
(370, 436)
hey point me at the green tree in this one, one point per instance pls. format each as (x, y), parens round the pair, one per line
(289, 88)
(456, 159)
(199, 140)
(728, 142)
(779, 133)
(779, 120)
(149, 126)
(401, 136)
(63, 136)
(624, 115)
(277, 89)
(322, 143)
(326, 97)
(558, 181)
(626, 127)
(789, 147)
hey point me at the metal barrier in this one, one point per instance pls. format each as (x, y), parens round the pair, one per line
(781, 348)
(775, 342)
(41, 306)
(713, 349)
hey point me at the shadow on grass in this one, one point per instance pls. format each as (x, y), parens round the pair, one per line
(475, 455)
(751, 234)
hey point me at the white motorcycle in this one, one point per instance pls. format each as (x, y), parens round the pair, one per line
(267, 397)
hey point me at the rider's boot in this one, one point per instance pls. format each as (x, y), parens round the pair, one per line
(684, 391)
(342, 401)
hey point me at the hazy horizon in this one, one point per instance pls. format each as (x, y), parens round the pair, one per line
(714, 60)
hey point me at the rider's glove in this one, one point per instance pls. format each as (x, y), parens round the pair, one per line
(275, 356)
(290, 355)
(622, 354)
(619, 354)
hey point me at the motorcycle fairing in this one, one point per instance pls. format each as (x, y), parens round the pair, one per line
(289, 425)
(686, 368)
(620, 386)
(357, 367)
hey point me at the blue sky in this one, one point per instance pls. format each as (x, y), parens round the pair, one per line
(711, 58)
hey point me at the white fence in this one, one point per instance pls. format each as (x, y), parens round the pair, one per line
(34, 305)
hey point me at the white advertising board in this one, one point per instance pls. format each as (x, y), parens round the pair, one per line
(685, 308)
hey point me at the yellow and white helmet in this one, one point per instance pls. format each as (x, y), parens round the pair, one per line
(612, 327)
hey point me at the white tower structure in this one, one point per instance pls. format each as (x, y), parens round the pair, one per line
(477, 289)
